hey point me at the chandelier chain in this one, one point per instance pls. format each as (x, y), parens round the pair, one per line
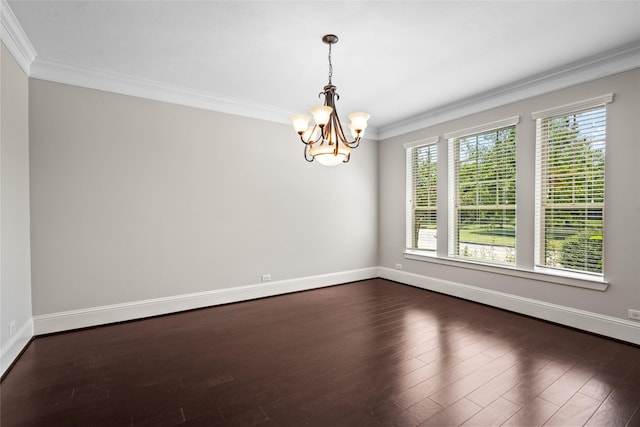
(330, 65)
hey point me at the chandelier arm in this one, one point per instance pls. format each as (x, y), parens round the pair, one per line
(307, 156)
(328, 131)
(305, 142)
(340, 132)
(329, 93)
(324, 131)
(353, 144)
(334, 121)
(309, 141)
(347, 158)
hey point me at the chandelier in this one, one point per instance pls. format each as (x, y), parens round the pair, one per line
(325, 141)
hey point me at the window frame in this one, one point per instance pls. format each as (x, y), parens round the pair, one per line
(453, 181)
(539, 248)
(410, 192)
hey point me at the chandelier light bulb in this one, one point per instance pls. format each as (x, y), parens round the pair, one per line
(321, 114)
(355, 133)
(359, 120)
(300, 122)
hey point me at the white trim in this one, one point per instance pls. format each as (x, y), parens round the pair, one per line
(14, 37)
(453, 149)
(612, 327)
(573, 107)
(144, 88)
(486, 127)
(408, 193)
(12, 349)
(421, 142)
(93, 78)
(608, 326)
(409, 187)
(612, 62)
(537, 219)
(452, 239)
(82, 318)
(541, 148)
(558, 277)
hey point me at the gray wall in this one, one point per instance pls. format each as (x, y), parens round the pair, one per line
(622, 221)
(135, 199)
(15, 268)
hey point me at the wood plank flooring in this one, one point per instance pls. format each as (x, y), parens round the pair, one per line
(370, 353)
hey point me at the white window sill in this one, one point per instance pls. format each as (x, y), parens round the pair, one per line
(585, 281)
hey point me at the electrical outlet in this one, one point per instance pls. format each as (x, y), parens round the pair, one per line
(12, 327)
(398, 266)
(266, 277)
(634, 314)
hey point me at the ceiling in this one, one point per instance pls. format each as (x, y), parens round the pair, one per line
(395, 59)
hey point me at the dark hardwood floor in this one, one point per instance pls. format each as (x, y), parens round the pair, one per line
(370, 353)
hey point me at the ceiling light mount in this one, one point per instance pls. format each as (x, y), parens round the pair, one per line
(326, 141)
(330, 39)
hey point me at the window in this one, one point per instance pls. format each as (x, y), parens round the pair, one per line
(482, 193)
(570, 166)
(422, 180)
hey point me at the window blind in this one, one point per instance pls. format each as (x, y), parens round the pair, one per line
(570, 193)
(482, 208)
(422, 195)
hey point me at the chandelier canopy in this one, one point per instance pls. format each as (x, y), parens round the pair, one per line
(326, 141)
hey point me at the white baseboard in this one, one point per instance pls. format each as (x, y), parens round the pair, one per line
(621, 329)
(612, 327)
(75, 319)
(12, 349)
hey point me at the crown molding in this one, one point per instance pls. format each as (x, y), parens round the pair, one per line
(609, 63)
(144, 88)
(14, 37)
(149, 89)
